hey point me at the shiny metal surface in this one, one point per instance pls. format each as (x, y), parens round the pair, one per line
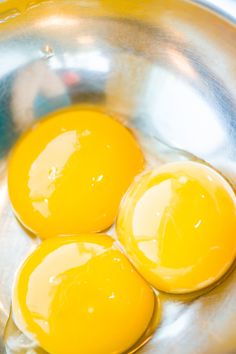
(226, 9)
(168, 67)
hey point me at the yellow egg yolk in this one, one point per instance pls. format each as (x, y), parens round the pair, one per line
(68, 174)
(80, 295)
(178, 225)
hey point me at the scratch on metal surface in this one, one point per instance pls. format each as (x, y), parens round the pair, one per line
(13, 13)
(8, 15)
(36, 3)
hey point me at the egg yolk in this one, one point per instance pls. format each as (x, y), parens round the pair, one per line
(178, 225)
(81, 295)
(68, 174)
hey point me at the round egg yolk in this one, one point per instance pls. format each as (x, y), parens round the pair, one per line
(68, 174)
(81, 295)
(178, 225)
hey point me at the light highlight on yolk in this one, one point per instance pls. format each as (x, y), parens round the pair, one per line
(80, 295)
(68, 174)
(178, 225)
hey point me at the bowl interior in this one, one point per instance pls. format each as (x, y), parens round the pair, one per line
(168, 68)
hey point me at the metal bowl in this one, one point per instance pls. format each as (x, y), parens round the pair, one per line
(169, 67)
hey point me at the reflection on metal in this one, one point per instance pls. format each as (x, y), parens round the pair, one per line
(166, 67)
(226, 8)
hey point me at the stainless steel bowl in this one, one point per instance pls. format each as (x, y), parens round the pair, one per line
(169, 67)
